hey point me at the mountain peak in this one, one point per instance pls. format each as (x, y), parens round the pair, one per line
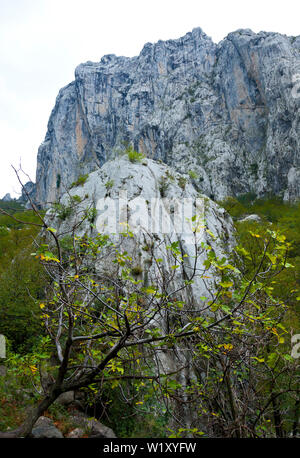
(228, 113)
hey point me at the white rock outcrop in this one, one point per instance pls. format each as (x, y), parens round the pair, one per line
(147, 199)
(160, 208)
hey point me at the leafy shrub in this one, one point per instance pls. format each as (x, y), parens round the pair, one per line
(11, 206)
(62, 211)
(136, 270)
(134, 156)
(193, 175)
(80, 181)
(58, 180)
(163, 185)
(91, 214)
(22, 283)
(109, 184)
(182, 182)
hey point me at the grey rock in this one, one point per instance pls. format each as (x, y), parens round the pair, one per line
(45, 428)
(254, 218)
(148, 182)
(7, 198)
(2, 371)
(70, 398)
(227, 111)
(75, 433)
(28, 192)
(66, 398)
(93, 427)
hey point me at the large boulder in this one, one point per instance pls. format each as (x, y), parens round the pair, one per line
(160, 207)
(91, 426)
(45, 428)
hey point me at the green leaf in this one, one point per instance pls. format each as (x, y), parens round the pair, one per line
(150, 290)
(260, 360)
(226, 284)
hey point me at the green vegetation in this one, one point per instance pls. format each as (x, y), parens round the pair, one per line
(63, 211)
(163, 185)
(80, 181)
(274, 213)
(58, 181)
(134, 156)
(251, 383)
(193, 175)
(283, 218)
(21, 280)
(11, 206)
(91, 214)
(136, 270)
(109, 184)
(182, 182)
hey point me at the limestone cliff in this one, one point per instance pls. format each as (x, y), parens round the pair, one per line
(159, 208)
(228, 113)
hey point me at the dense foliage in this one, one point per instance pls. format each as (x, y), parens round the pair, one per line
(251, 383)
(22, 278)
(274, 215)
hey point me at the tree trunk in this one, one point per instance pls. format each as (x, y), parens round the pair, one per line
(277, 417)
(296, 418)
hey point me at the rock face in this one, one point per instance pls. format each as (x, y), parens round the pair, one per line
(228, 113)
(29, 188)
(157, 205)
(45, 428)
(7, 198)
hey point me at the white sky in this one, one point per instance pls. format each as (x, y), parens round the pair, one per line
(42, 41)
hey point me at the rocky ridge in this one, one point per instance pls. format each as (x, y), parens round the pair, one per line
(226, 113)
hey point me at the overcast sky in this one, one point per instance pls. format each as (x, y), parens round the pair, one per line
(42, 41)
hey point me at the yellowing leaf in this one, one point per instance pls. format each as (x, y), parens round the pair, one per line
(260, 360)
(150, 291)
(254, 235)
(226, 284)
(228, 347)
